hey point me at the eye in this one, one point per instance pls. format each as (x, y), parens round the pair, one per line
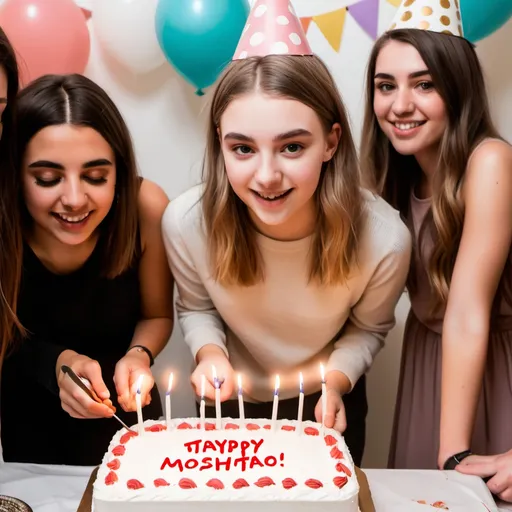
(47, 183)
(95, 181)
(385, 87)
(426, 86)
(242, 150)
(293, 148)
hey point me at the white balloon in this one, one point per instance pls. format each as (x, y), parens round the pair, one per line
(126, 31)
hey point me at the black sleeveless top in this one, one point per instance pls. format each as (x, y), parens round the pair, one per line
(81, 311)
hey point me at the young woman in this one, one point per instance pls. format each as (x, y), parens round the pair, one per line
(281, 260)
(95, 291)
(10, 238)
(431, 150)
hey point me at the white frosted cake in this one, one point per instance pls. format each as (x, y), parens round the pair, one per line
(244, 464)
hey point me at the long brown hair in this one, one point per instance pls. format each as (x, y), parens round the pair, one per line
(10, 231)
(74, 99)
(457, 77)
(233, 251)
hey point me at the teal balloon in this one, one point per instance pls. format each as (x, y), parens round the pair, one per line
(199, 37)
(481, 18)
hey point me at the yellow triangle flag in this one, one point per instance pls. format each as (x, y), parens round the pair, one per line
(331, 25)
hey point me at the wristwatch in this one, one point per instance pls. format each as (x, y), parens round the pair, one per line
(456, 459)
(142, 348)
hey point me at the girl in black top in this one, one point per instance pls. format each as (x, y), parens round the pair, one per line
(95, 284)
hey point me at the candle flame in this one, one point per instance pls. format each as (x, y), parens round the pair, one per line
(203, 383)
(214, 372)
(139, 383)
(239, 382)
(301, 383)
(322, 372)
(277, 384)
(169, 386)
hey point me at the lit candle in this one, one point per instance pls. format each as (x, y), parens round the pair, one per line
(240, 399)
(203, 405)
(138, 401)
(301, 403)
(324, 394)
(216, 383)
(168, 403)
(276, 403)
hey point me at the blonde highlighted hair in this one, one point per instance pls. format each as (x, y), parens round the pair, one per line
(233, 251)
(457, 77)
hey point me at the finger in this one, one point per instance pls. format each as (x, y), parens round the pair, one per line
(71, 411)
(498, 483)
(482, 469)
(332, 408)
(341, 420)
(78, 401)
(506, 495)
(318, 411)
(122, 383)
(91, 370)
(209, 390)
(478, 459)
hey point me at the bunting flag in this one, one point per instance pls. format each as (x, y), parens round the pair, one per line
(331, 25)
(366, 14)
(305, 23)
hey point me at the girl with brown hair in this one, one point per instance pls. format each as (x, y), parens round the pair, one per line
(430, 148)
(95, 291)
(282, 261)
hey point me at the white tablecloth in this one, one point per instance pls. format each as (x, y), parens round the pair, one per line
(60, 488)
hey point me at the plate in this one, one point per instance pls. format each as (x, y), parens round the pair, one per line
(10, 504)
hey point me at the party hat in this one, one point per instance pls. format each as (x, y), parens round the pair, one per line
(435, 15)
(272, 28)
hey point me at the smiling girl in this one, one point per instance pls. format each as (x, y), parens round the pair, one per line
(430, 148)
(95, 291)
(282, 262)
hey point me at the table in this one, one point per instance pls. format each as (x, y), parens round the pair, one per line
(59, 488)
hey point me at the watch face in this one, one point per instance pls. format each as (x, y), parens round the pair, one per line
(10, 504)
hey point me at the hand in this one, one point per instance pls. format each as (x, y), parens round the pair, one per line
(128, 370)
(206, 357)
(334, 412)
(73, 399)
(499, 467)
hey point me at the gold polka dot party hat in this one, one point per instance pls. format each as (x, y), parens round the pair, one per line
(441, 16)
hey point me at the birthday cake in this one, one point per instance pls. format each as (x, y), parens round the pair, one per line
(287, 466)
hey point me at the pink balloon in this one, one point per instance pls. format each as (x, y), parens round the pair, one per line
(48, 36)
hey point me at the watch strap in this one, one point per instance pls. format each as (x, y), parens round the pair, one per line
(142, 348)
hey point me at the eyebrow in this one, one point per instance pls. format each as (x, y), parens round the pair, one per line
(100, 162)
(416, 74)
(282, 136)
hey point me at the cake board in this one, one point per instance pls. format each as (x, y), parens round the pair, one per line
(365, 497)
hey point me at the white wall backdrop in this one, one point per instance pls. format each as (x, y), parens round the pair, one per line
(166, 122)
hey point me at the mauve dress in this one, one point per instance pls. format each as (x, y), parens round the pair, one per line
(415, 436)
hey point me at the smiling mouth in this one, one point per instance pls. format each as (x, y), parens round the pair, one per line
(408, 126)
(272, 197)
(71, 219)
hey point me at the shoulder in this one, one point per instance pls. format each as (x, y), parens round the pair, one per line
(384, 229)
(152, 201)
(184, 213)
(490, 162)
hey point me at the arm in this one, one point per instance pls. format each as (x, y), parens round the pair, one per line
(202, 326)
(156, 287)
(483, 251)
(371, 318)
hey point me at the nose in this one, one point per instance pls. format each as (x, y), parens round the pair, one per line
(403, 102)
(268, 174)
(74, 196)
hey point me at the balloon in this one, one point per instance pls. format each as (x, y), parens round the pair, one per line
(199, 37)
(49, 37)
(126, 31)
(481, 18)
